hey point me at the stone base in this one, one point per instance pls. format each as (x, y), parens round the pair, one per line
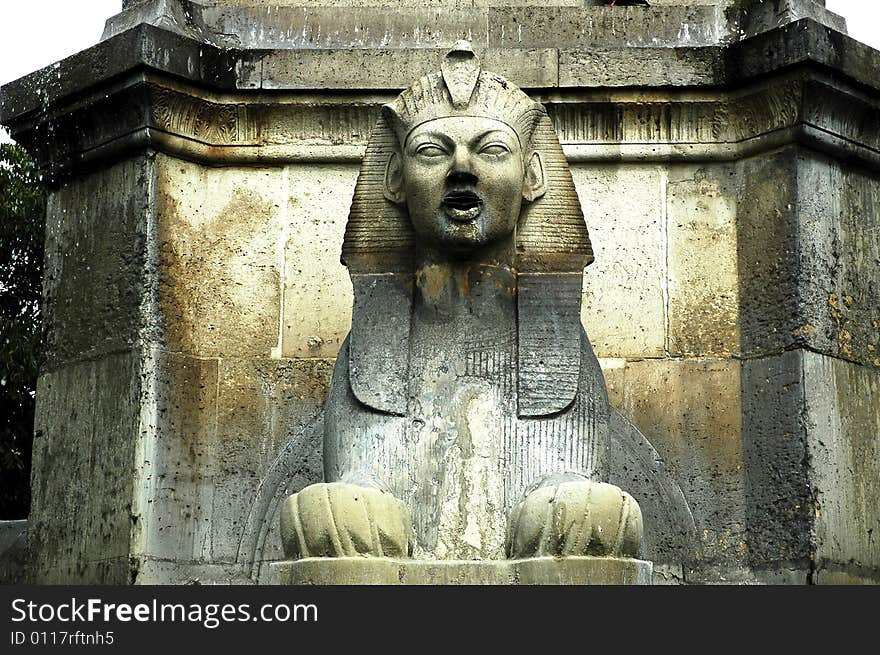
(535, 571)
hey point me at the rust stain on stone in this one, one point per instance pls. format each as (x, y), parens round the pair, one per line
(201, 285)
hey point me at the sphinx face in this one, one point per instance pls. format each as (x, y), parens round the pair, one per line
(462, 178)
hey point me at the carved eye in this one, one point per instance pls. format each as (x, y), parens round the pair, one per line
(430, 150)
(494, 149)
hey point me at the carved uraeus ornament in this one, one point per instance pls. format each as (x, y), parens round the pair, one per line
(467, 416)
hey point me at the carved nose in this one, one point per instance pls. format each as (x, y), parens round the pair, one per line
(461, 178)
(462, 170)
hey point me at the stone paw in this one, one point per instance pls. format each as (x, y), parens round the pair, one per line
(575, 518)
(338, 519)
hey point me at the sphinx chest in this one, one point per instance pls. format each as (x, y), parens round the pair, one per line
(460, 422)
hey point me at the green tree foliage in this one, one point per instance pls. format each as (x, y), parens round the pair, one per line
(22, 226)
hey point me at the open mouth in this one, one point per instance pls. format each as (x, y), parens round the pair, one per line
(462, 205)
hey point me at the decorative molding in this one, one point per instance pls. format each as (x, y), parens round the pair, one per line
(196, 118)
(253, 127)
(855, 119)
(775, 107)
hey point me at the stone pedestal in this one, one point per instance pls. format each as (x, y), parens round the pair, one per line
(535, 571)
(202, 159)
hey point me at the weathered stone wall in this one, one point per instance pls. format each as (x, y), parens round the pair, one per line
(811, 409)
(196, 303)
(238, 386)
(91, 393)
(745, 272)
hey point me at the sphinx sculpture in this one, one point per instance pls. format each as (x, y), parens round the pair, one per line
(467, 417)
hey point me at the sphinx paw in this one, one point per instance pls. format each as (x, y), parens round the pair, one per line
(339, 519)
(575, 518)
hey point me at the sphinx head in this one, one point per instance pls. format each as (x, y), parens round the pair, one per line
(460, 161)
(464, 162)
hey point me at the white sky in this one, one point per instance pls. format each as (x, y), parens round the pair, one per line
(36, 33)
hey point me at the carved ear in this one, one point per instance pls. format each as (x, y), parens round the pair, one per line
(534, 182)
(393, 187)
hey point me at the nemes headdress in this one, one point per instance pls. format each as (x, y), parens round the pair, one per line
(552, 246)
(460, 88)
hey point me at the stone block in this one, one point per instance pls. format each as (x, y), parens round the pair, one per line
(779, 492)
(703, 287)
(808, 262)
(219, 242)
(393, 69)
(623, 305)
(149, 46)
(403, 4)
(762, 16)
(767, 254)
(269, 445)
(648, 66)
(230, 435)
(810, 426)
(690, 412)
(152, 571)
(824, 314)
(532, 571)
(525, 67)
(786, 574)
(86, 429)
(847, 576)
(839, 264)
(317, 288)
(842, 421)
(390, 69)
(176, 476)
(586, 27)
(96, 243)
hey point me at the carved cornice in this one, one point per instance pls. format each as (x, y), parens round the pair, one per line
(156, 112)
(195, 118)
(149, 88)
